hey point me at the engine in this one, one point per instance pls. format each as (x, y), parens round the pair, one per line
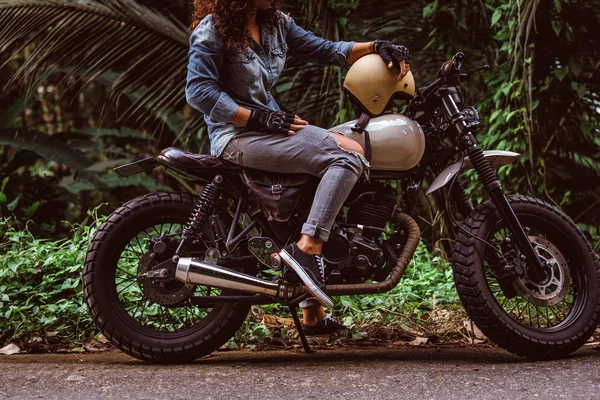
(353, 253)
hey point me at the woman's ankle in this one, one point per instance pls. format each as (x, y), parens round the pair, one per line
(310, 245)
(313, 315)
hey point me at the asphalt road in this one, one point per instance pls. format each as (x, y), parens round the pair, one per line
(371, 373)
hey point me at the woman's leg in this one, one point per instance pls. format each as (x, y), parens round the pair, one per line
(310, 151)
(347, 143)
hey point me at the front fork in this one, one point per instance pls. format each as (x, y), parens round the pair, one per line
(536, 271)
(487, 175)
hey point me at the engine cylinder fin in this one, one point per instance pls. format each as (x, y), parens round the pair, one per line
(373, 210)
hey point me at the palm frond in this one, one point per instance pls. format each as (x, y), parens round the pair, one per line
(43, 145)
(148, 49)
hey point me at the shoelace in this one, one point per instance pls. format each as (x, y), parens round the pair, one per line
(329, 318)
(321, 265)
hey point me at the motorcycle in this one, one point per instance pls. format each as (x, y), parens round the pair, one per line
(171, 276)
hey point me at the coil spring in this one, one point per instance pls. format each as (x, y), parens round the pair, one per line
(482, 166)
(203, 208)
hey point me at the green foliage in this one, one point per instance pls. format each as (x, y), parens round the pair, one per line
(427, 284)
(40, 286)
(540, 99)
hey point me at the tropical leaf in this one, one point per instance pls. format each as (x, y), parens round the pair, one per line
(11, 113)
(147, 48)
(43, 145)
(110, 181)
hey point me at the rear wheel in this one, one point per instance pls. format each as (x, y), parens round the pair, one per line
(147, 318)
(539, 320)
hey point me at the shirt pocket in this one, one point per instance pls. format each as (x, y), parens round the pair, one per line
(242, 67)
(278, 54)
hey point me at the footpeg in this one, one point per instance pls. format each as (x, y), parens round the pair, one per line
(265, 251)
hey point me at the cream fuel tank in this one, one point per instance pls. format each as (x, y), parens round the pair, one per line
(397, 142)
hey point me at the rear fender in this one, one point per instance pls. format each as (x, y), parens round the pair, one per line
(497, 158)
(137, 167)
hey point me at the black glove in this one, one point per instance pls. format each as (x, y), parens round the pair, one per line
(270, 121)
(391, 52)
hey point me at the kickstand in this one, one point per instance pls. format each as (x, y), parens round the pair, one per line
(294, 312)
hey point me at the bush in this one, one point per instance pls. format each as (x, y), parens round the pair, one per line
(40, 286)
(41, 294)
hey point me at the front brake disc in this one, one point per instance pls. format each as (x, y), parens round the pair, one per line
(554, 289)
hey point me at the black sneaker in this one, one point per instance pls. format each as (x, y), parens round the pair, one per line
(311, 270)
(326, 326)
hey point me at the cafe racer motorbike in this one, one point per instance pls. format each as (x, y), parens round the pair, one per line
(171, 276)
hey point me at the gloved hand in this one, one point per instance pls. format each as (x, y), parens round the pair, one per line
(391, 53)
(270, 121)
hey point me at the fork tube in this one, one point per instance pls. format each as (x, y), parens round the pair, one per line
(487, 175)
(490, 180)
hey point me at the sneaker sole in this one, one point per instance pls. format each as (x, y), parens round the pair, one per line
(310, 284)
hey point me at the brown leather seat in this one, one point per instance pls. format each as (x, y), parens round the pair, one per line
(192, 163)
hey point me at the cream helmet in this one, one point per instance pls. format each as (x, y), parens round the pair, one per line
(371, 85)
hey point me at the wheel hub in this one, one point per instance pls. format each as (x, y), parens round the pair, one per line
(554, 289)
(164, 291)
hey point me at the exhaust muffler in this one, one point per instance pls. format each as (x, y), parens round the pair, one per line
(190, 270)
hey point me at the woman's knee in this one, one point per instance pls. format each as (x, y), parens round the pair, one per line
(347, 143)
(349, 160)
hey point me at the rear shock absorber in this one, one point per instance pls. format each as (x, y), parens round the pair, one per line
(203, 209)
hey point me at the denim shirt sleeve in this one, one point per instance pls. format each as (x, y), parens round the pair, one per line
(307, 45)
(206, 56)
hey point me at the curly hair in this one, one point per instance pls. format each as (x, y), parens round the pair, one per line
(231, 17)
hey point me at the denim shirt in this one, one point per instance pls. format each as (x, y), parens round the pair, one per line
(221, 79)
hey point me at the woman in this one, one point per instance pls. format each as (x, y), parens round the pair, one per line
(237, 52)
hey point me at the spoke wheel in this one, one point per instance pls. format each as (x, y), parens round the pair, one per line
(157, 304)
(536, 305)
(538, 320)
(149, 318)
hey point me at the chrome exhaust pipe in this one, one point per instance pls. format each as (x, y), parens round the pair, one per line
(190, 270)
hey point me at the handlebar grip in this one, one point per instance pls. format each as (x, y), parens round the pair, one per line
(446, 68)
(452, 66)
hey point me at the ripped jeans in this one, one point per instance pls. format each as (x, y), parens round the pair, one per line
(311, 151)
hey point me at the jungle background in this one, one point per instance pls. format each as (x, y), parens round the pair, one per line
(89, 85)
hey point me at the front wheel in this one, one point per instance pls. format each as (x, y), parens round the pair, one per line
(537, 320)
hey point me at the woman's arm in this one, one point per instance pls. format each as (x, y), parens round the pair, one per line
(241, 117)
(307, 45)
(362, 49)
(206, 56)
(359, 50)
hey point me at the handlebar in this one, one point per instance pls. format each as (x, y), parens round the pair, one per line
(450, 72)
(446, 72)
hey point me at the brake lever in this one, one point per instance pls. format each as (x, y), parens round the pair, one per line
(464, 77)
(475, 70)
